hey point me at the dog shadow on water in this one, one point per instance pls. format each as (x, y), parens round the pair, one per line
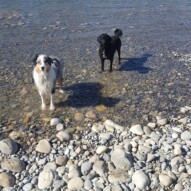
(87, 94)
(136, 64)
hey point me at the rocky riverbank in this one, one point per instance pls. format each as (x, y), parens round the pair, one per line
(101, 156)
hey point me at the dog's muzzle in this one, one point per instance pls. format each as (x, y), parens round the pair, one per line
(42, 68)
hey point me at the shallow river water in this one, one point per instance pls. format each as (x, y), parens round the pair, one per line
(153, 78)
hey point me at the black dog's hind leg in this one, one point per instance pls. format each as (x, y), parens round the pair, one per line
(102, 64)
(111, 63)
(119, 55)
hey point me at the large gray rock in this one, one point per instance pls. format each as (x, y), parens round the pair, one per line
(165, 180)
(86, 167)
(28, 187)
(63, 136)
(75, 183)
(54, 121)
(101, 149)
(186, 135)
(14, 165)
(8, 146)
(109, 124)
(7, 180)
(43, 147)
(137, 129)
(118, 175)
(140, 179)
(45, 179)
(120, 160)
(99, 168)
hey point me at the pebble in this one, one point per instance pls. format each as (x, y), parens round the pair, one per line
(59, 127)
(75, 183)
(161, 122)
(137, 129)
(88, 184)
(165, 180)
(63, 136)
(43, 146)
(45, 179)
(27, 187)
(177, 149)
(109, 124)
(186, 135)
(7, 179)
(174, 135)
(86, 167)
(101, 149)
(118, 175)
(54, 121)
(119, 159)
(90, 115)
(61, 160)
(99, 168)
(97, 127)
(140, 179)
(8, 146)
(79, 116)
(14, 165)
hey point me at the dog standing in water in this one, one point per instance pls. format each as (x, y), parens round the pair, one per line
(108, 47)
(47, 71)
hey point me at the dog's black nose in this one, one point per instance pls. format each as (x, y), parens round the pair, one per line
(42, 68)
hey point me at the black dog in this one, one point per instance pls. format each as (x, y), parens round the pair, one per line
(108, 46)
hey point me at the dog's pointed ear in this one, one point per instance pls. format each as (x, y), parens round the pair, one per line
(49, 60)
(34, 59)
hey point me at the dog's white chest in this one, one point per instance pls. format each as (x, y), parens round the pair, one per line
(44, 83)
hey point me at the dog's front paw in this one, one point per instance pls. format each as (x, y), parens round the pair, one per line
(43, 107)
(61, 91)
(52, 108)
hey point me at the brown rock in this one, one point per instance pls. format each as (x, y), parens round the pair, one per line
(79, 116)
(101, 107)
(7, 180)
(91, 115)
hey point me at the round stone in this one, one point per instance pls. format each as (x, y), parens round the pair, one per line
(137, 129)
(14, 165)
(140, 179)
(109, 124)
(75, 183)
(186, 135)
(61, 160)
(120, 160)
(86, 167)
(59, 127)
(8, 146)
(45, 179)
(54, 121)
(162, 122)
(43, 147)
(63, 136)
(101, 149)
(28, 187)
(79, 116)
(7, 180)
(174, 135)
(165, 180)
